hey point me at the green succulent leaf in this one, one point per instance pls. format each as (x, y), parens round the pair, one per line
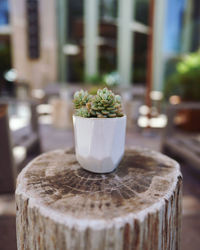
(81, 98)
(105, 104)
(83, 112)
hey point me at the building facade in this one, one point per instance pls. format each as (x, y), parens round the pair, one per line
(69, 41)
(35, 20)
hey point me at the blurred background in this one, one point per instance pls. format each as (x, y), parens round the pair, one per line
(145, 50)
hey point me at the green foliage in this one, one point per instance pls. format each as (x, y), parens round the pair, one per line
(94, 79)
(185, 82)
(105, 104)
(112, 79)
(93, 90)
(83, 112)
(5, 57)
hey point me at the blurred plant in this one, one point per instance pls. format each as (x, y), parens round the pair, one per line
(5, 57)
(112, 79)
(94, 79)
(185, 82)
(105, 104)
(93, 90)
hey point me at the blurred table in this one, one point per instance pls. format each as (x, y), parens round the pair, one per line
(184, 146)
(179, 143)
(61, 206)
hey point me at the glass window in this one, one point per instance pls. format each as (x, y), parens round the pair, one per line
(108, 36)
(173, 25)
(106, 41)
(140, 58)
(182, 28)
(140, 43)
(142, 11)
(74, 46)
(4, 17)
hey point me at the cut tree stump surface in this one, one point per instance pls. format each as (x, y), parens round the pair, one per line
(61, 206)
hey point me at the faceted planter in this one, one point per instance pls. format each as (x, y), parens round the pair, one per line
(99, 142)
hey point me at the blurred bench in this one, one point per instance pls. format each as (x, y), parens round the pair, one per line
(178, 143)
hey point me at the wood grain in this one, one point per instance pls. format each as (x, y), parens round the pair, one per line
(62, 206)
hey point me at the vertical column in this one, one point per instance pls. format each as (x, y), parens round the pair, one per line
(125, 40)
(149, 83)
(62, 38)
(187, 30)
(158, 33)
(91, 14)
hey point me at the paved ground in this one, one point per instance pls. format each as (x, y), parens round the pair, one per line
(54, 138)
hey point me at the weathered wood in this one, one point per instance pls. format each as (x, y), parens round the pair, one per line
(61, 206)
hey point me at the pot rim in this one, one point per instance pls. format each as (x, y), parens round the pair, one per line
(96, 118)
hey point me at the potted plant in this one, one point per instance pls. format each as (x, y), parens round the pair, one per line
(185, 83)
(99, 127)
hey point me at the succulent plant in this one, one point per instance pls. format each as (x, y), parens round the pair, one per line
(105, 104)
(83, 112)
(81, 98)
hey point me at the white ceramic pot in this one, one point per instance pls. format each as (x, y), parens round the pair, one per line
(99, 142)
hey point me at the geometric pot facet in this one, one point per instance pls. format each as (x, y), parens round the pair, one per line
(99, 142)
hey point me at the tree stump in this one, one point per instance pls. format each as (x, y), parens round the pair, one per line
(61, 206)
